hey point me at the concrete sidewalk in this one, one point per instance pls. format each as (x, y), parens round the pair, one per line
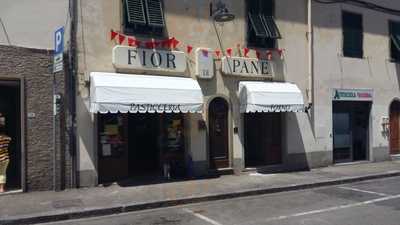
(28, 208)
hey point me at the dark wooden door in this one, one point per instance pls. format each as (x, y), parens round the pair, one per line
(395, 128)
(218, 133)
(263, 145)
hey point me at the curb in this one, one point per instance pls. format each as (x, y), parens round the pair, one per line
(175, 202)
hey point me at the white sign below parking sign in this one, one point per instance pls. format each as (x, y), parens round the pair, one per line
(58, 50)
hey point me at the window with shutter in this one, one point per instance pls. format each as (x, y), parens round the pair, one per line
(144, 17)
(135, 11)
(262, 29)
(352, 35)
(257, 25)
(394, 32)
(271, 27)
(155, 16)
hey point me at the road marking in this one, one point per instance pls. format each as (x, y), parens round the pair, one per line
(198, 215)
(364, 191)
(335, 208)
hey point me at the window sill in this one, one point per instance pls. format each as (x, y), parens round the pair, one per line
(353, 57)
(394, 61)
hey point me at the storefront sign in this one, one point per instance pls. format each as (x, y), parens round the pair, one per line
(204, 63)
(155, 108)
(149, 59)
(352, 94)
(250, 67)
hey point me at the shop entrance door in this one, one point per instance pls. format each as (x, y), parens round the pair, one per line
(395, 128)
(263, 145)
(10, 107)
(144, 152)
(350, 131)
(218, 133)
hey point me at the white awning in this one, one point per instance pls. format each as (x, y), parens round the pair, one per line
(114, 92)
(257, 96)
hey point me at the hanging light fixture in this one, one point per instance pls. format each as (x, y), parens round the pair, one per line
(221, 13)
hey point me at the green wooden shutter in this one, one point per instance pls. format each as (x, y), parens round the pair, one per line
(257, 25)
(155, 15)
(270, 26)
(135, 11)
(352, 35)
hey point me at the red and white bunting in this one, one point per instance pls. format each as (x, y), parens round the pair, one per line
(113, 35)
(121, 38)
(172, 43)
(189, 49)
(246, 52)
(229, 52)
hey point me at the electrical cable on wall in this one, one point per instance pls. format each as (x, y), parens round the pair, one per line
(364, 4)
(5, 31)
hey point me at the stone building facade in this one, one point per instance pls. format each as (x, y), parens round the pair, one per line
(306, 63)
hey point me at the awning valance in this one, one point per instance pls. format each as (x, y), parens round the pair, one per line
(257, 96)
(114, 92)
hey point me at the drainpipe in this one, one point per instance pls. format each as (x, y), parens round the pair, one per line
(310, 39)
(71, 83)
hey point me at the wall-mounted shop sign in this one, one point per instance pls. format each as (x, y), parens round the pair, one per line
(148, 59)
(352, 94)
(155, 108)
(250, 67)
(204, 63)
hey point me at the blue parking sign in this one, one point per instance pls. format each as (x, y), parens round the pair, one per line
(58, 50)
(59, 41)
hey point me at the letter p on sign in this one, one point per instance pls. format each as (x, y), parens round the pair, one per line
(59, 41)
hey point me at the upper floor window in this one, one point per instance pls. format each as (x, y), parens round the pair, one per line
(394, 32)
(143, 17)
(261, 26)
(352, 35)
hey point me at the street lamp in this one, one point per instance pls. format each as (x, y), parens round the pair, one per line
(221, 13)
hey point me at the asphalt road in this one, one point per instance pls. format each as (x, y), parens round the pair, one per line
(374, 202)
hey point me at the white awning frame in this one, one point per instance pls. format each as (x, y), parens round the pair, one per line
(258, 96)
(114, 92)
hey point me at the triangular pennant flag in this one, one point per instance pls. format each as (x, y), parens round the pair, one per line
(269, 55)
(174, 42)
(166, 43)
(217, 53)
(113, 34)
(229, 52)
(121, 38)
(189, 49)
(152, 44)
(205, 52)
(246, 52)
(131, 41)
(280, 52)
(258, 54)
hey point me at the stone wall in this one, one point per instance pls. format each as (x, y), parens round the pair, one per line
(34, 67)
